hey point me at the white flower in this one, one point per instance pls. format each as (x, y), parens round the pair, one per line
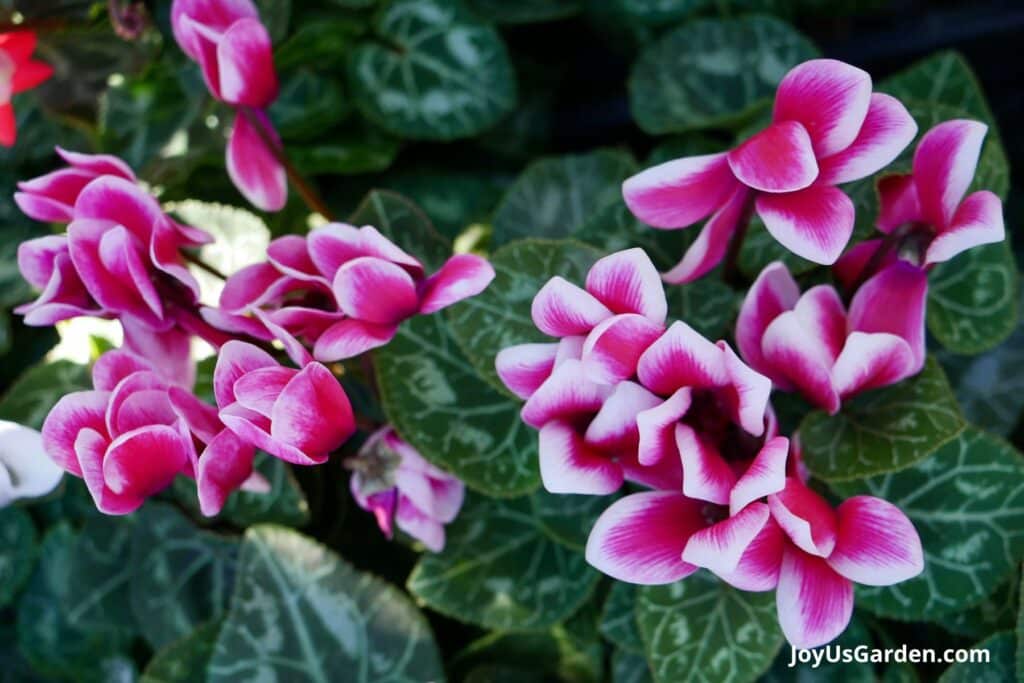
(26, 471)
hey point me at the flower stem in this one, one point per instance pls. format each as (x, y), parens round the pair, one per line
(299, 182)
(196, 261)
(732, 273)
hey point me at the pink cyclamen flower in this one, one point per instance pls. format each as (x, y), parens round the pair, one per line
(51, 198)
(828, 128)
(811, 344)
(344, 290)
(234, 51)
(393, 481)
(926, 208)
(18, 73)
(299, 416)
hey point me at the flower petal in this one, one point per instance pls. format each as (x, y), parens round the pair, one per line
(681, 357)
(888, 128)
(720, 546)
(870, 361)
(200, 418)
(814, 223)
(897, 202)
(814, 603)
(765, 475)
(562, 309)
(97, 164)
(144, 461)
(169, 353)
(640, 538)
(236, 358)
(808, 520)
(614, 428)
(894, 301)
(251, 164)
(246, 63)
(567, 392)
(29, 75)
(462, 276)
(375, 291)
(51, 198)
(778, 159)
(657, 428)
(745, 397)
(258, 390)
(758, 568)
(628, 282)
(224, 466)
(312, 413)
(979, 220)
(679, 193)
(524, 367)
(71, 415)
(773, 293)
(823, 316)
(706, 474)
(91, 448)
(612, 349)
(944, 165)
(708, 250)
(800, 360)
(829, 98)
(850, 266)
(334, 244)
(423, 528)
(569, 465)
(877, 545)
(349, 338)
(28, 470)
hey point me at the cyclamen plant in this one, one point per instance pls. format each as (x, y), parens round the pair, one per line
(622, 446)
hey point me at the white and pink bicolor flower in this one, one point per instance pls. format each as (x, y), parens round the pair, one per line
(394, 482)
(51, 198)
(234, 51)
(810, 343)
(828, 128)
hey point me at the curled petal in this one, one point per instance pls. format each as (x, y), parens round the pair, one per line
(523, 368)
(253, 168)
(814, 602)
(894, 301)
(375, 291)
(612, 349)
(806, 518)
(91, 447)
(349, 338)
(51, 198)
(681, 357)
(567, 392)
(656, 428)
(289, 254)
(313, 414)
(97, 164)
(829, 98)
(462, 276)
(764, 476)
(778, 159)
(708, 250)
(979, 220)
(706, 474)
(823, 316)
(247, 75)
(877, 545)
(614, 428)
(897, 202)
(679, 193)
(888, 128)
(814, 223)
(640, 538)
(420, 526)
(236, 358)
(224, 466)
(334, 244)
(745, 397)
(258, 390)
(758, 568)
(569, 465)
(773, 293)
(145, 461)
(628, 282)
(800, 360)
(944, 165)
(870, 361)
(71, 415)
(720, 546)
(562, 309)
(199, 417)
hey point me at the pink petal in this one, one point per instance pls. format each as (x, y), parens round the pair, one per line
(36, 258)
(121, 201)
(720, 546)
(334, 244)
(253, 168)
(145, 461)
(168, 352)
(200, 418)
(706, 474)
(870, 361)
(524, 367)
(569, 465)
(681, 358)
(778, 159)
(614, 428)
(97, 164)
(113, 366)
(745, 396)
(679, 193)
(887, 130)
(562, 309)
(249, 286)
(877, 545)
(290, 255)
(829, 98)
(814, 603)
(566, 393)
(708, 250)
(29, 75)
(255, 429)
(51, 198)
(657, 428)
(764, 476)
(218, 16)
(412, 521)
(462, 276)
(814, 223)
(897, 202)
(666, 475)
(244, 56)
(944, 165)
(850, 266)
(298, 353)
(823, 315)
(120, 254)
(138, 400)
(801, 360)
(91, 448)
(612, 349)
(438, 494)
(640, 538)
(224, 466)
(375, 291)
(773, 293)
(979, 220)
(806, 517)
(758, 568)
(313, 414)
(236, 358)
(894, 301)
(258, 390)
(71, 415)
(349, 338)
(628, 282)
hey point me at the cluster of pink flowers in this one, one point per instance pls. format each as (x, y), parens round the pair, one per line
(622, 394)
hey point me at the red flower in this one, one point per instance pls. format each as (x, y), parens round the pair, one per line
(18, 72)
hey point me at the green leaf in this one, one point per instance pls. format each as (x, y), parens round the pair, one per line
(712, 73)
(437, 402)
(614, 228)
(322, 43)
(651, 12)
(405, 224)
(350, 150)
(452, 199)
(308, 105)
(525, 11)
(499, 316)
(708, 305)
(17, 551)
(274, 14)
(972, 299)
(101, 573)
(856, 635)
(944, 78)
(299, 612)
(186, 659)
(629, 667)
(434, 72)
(1000, 667)
(760, 248)
(30, 398)
(997, 612)
(1020, 633)
(884, 429)
(182, 576)
(701, 629)
(618, 618)
(501, 568)
(967, 503)
(555, 197)
(49, 641)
